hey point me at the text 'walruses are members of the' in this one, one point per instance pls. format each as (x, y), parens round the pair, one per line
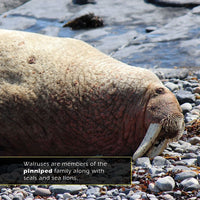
(60, 96)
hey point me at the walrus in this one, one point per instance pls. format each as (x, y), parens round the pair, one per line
(61, 96)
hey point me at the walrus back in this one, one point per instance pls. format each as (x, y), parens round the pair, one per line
(59, 95)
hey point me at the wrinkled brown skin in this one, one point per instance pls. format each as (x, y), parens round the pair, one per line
(63, 97)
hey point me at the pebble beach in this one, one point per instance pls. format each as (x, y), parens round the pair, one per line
(175, 174)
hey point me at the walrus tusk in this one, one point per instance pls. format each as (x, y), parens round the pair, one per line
(157, 149)
(148, 141)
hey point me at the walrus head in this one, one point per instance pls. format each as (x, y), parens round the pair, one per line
(164, 121)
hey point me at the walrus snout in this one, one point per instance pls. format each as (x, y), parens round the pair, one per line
(173, 125)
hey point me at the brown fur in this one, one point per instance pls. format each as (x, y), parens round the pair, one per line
(60, 96)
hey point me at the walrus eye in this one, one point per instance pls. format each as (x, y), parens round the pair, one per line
(160, 91)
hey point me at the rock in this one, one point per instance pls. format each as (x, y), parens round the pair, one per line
(50, 30)
(6, 5)
(150, 29)
(17, 197)
(189, 155)
(198, 160)
(143, 161)
(171, 86)
(165, 73)
(190, 117)
(67, 196)
(82, 2)
(165, 184)
(184, 175)
(167, 197)
(190, 161)
(135, 197)
(187, 84)
(179, 168)
(61, 189)
(154, 171)
(193, 149)
(185, 97)
(33, 187)
(160, 161)
(3, 190)
(93, 191)
(186, 107)
(5, 197)
(190, 184)
(153, 188)
(25, 187)
(176, 3)
(113, 192)
(42, 192)
(197, 73)
(29, 198)
(12, 23)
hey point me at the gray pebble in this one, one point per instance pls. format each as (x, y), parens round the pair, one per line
(17, 197)
(186, 107)
(167, 197)
(144, 162)
(113, 192)
(194, 140)
(33, 187)
(118, 198)
(154, 171)
(184, 175)
(190, 84)
(171, 86)
(150, 29)
(198, 160)
(177, 193)
(190, 117)
(153, 188)
(179, 150)
(42, 192)
(191, 161)
(179, 168)
(185, 97)
(91, 196)
(160, 161)
(5, 197)
(67, 196)
(93, 191)
(189, 155)
(198, 195)
(3, 190)
(122, 195)
(165, 184)
(29, 198)
(135, 197)
(184, 145)
(193, 149)
(61, 189)
(174, 145)
(190, 184)
(103, 197)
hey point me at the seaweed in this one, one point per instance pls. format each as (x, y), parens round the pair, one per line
(85, 22)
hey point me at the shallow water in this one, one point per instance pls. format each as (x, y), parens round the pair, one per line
(124, 36)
